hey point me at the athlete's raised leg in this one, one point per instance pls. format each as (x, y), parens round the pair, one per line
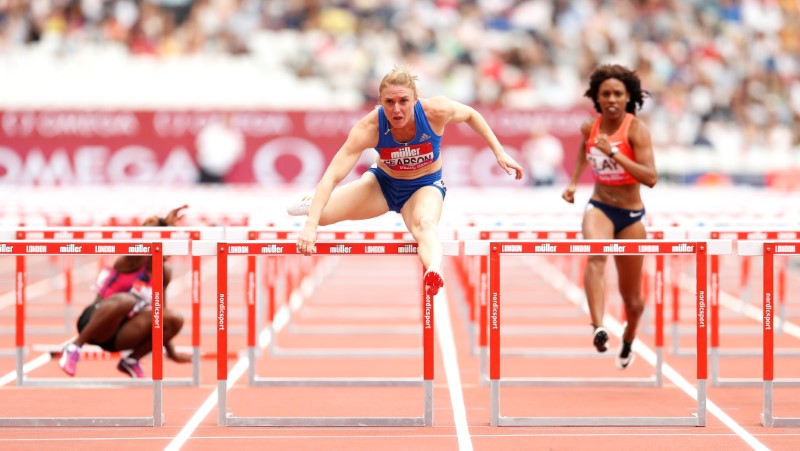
(421, 215)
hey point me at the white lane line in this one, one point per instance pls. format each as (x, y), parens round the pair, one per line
(264, 338)
(576, 295)
(281, 319)
(444, 330)
(26, 368)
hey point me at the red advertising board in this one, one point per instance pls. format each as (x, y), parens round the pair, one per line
(64, 147)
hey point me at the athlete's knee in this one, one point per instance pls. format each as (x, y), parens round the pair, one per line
(426, 223)
(595, 263)
(634, 304)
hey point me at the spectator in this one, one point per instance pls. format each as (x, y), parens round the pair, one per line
(545, 155)
(219, 146)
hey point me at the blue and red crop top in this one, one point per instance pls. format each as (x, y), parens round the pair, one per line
(418, 153)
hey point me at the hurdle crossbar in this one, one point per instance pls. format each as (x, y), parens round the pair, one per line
(128, 233)
(156, 250)
(279, 248)
(768, 250)
(496, 249)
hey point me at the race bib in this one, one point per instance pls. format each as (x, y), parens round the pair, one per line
(407, 158)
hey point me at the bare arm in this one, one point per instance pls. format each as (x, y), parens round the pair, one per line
(580, 164)
(643, 167)
(131, 263)
(442, 111)
(363, 135)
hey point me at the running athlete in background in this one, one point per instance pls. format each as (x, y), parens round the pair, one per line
(617, 146)
(120, 317)
(406, 132)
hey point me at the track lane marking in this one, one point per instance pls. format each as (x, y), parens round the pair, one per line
(444, 330)
(559, 281)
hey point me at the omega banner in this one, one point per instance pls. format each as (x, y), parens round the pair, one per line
(65, 147)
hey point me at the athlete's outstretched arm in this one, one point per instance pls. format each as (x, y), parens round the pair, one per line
(363, 135)
(445, 111)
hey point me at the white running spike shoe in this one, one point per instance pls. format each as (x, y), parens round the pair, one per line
(301, 207)
(600, 338)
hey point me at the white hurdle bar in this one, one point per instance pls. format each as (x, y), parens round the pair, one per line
(51, 247)
(80, 234)
(496, 249)
(279, 248)
(768, 250)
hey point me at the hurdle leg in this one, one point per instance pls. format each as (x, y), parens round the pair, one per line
(483, 292)
(196, 327)
(494, 336)
(222, 335)
(658, 296)
(701, 279)
(20, 318)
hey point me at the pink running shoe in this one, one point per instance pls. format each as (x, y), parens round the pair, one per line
(130, 367)
(433, 281)
(69, 358)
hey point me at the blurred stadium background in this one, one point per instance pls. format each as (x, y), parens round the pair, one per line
(115, 92)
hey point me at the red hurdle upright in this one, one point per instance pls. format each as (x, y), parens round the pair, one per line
(278, 248)
(768, 250)
(741, 236)
(480, 297)
(51, 247)
(80, 234)
(496, 249)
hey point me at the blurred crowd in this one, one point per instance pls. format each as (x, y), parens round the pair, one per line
(723, 73)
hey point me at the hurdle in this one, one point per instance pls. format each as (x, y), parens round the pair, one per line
(482, 293)
(125, 233)
(768, 250)
(18, 233)
(275, 269)
(496, 249)
(277, 248)
(741, 237)
(475, 276)
(52, 247)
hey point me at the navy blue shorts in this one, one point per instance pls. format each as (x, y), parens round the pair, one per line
(398, 191)
(620, 217)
